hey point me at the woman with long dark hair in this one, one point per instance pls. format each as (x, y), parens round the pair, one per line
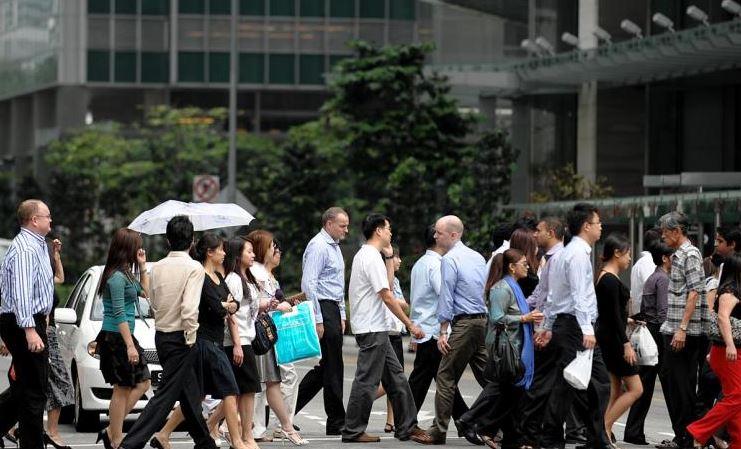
(280, 381)
(509, 317)
(724, 361)
(524, 240)
(218, 378)
(121, 358)
(612, 306)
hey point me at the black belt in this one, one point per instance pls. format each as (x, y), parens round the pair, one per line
(469, 316)
(331, 301)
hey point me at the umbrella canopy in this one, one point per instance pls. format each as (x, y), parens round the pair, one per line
(203, 215)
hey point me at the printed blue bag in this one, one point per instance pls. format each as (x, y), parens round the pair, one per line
(297, 337)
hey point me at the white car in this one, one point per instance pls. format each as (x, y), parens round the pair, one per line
(78, 324)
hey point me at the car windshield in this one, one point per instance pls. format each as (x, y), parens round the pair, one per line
(97, 312)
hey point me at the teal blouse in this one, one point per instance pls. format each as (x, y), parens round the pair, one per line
(119, 301)
(503, 309)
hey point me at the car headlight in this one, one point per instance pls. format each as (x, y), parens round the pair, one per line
(92, 349)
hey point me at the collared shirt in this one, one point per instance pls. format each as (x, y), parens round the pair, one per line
(571, 286)
(424, 294)
(537, 299)
(639, 274)
(686, 275)
(654, 300)
(176, 283)
(26, 278)
(368, 277)
(502, 248)
(324, 273)
(463, 272)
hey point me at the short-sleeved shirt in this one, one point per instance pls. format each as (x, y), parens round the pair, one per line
(367, 278)
(119, 301)
(686, 275)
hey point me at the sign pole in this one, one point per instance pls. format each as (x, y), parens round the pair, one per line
(233, 64)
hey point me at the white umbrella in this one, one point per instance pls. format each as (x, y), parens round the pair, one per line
(203, 215)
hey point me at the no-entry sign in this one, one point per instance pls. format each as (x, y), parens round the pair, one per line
(205, 188)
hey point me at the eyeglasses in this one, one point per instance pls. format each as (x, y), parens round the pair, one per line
(44, 216)
(594, 222)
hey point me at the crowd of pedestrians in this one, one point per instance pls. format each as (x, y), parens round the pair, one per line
(519, 321)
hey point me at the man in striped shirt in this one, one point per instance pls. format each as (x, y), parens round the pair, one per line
(27, 286)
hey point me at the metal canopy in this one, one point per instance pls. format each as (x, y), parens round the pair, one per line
(635, 61)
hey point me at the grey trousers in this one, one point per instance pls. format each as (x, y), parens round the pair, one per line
(377, 361)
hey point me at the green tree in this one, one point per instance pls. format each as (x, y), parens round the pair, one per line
(565, 184)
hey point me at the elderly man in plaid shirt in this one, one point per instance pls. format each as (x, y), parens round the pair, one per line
(683, 329)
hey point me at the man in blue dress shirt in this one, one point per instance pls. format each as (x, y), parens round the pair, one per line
(27, 286)
(462, 308)
(323, 281)
(570, 317)
(425, 293)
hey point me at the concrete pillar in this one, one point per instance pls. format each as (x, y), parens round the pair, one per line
(72, 105)
(586, 127)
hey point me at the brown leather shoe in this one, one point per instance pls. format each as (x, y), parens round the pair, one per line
(362, 438)
(426, 438)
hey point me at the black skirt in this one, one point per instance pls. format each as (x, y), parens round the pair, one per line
(218, 377)
(246, 375)
(114, 362)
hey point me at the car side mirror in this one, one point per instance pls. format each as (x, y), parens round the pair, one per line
(65, 316)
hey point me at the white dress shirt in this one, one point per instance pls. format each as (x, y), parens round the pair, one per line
(642, 269)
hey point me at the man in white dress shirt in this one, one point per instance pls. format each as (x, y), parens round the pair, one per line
(642, 269)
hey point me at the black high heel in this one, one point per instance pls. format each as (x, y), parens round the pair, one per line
(48, 440)
(156, 443)
(103, 435)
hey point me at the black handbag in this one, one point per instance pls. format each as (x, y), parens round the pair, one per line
(265, 334)
(504, 362)
(714, 334)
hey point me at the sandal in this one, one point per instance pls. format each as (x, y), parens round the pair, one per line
(293, 437)
(388, 428)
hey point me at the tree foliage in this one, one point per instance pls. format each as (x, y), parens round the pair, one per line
(565, 184)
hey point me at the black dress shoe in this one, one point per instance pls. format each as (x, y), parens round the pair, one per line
(468, 431)
(576, 438)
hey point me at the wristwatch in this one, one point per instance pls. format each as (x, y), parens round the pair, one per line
(385, 257)
(683, 327)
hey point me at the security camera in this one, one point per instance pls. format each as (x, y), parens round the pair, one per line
(663, 21)
(697, 14)
(631, 28)
(602, 35)
(570, 39)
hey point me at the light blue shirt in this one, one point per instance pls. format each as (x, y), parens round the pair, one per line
(424, 294)
(26, 278)
(571, 286)
(463, 272)
(537, 299)
(323, 271)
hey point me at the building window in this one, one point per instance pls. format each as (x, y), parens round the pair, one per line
(402, 9)
(342, 8)
(282, 8)
(98, 65)
(125, 67)
(192, 6)
(311, 69)
(99, 6)
(373, 9)
(251, 68)
(252, 7)
(218, 67)
(125, 6)
(220, 7)
(190, 66)
(155, 67)
(155, 7)
(281, 69)
(312, 8)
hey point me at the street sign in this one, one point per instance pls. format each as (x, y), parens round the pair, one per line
(206, 188)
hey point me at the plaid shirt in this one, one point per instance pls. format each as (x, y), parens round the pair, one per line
(686, 275)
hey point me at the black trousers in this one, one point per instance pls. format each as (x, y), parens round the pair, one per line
(181, 381)
(426, 362)
(639, 410)
(494, 409)
(566, 341)
(24, 401)
(328, 374)
(679, 381)
(534, 401)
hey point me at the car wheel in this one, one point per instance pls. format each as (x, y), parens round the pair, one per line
(84, 420)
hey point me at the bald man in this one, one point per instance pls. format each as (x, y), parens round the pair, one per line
(461, 308)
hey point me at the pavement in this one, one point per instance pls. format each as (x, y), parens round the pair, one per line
(311, 420)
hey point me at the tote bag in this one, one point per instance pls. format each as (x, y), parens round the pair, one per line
(297, 337)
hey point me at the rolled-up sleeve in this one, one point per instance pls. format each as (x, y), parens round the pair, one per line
(449, 277)
(313, 263)
(694, 273)
(191, 300)
(22, 275)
